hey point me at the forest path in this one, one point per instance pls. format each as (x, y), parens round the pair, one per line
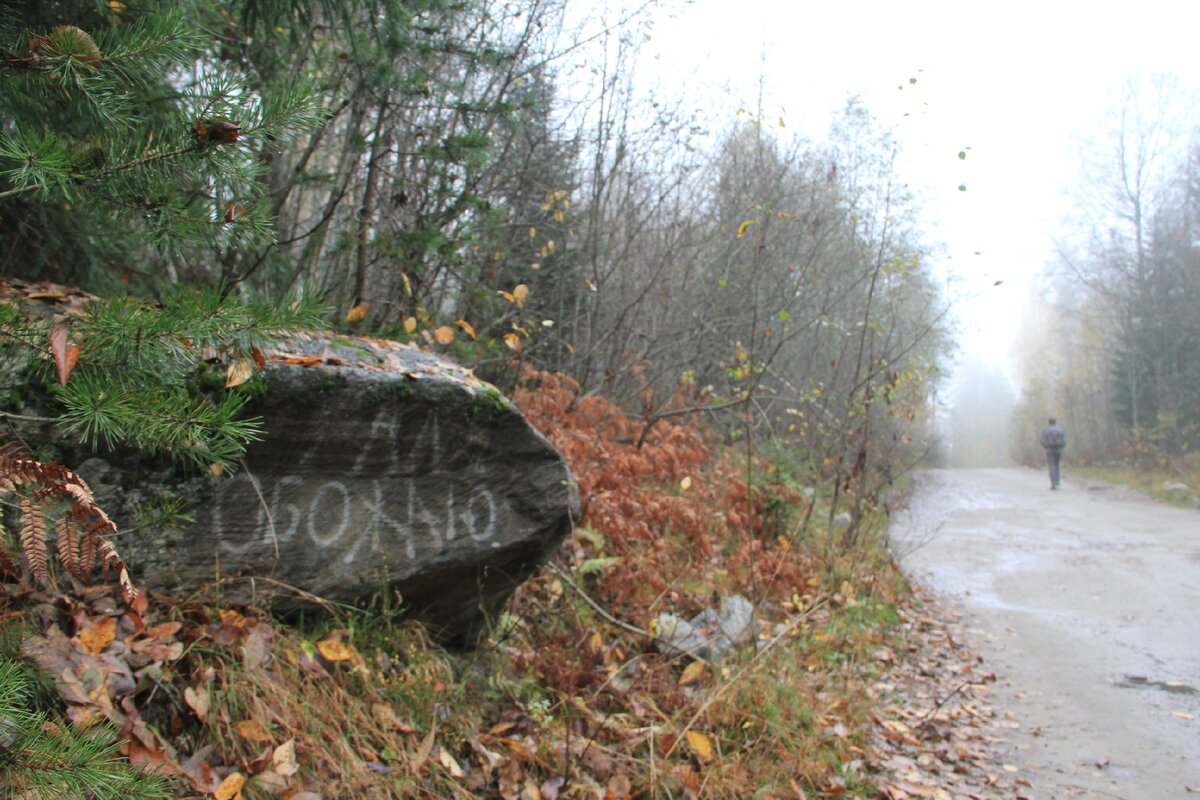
(1085, 603)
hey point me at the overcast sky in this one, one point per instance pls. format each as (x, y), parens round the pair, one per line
(1019, 85)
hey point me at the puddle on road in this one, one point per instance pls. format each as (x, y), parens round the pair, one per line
(1142, 682)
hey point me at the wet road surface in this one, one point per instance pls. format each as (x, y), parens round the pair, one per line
(1086, 603)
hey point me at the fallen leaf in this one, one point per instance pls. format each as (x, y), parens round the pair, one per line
(1184, 715)
(444, 335)
(447, 761)
(691, 673)
(520, 292)
(231, 787)
(410, 324)
(98, 635)
(334, 650)
(357, 313)
(253, 731)
(425, 748)
(283, 762)
(701, 745)
(198, 700)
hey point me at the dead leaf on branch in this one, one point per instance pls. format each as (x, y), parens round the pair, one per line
(66, 354)
(238, 372)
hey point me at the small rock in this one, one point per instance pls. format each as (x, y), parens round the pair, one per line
(842, 519)
(1175, 487)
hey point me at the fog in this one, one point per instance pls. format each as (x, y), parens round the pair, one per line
(981, 402)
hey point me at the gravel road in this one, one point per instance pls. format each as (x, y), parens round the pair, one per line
(1086, 603)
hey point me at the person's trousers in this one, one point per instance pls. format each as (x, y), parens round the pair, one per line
(1052, 459)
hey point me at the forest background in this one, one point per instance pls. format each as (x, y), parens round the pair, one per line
(750, 328)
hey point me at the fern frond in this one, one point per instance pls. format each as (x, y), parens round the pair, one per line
(33, 538)
(68, 546)
(82, 528)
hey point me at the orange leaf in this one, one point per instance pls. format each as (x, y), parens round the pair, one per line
(253, 731)
(238, 372)
(444, 335)
(334, 650)
(260, 360)
(99, 635)
(410, 324)
(466, 326)
(65, 353)
(357, 313)
(691, 673)
(513, 341)
(701, 745)
(231, 787)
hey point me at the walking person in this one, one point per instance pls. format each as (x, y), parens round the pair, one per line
(1053, 439)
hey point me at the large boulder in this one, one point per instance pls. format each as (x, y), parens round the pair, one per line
(382, 469)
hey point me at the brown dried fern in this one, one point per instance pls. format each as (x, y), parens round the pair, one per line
(48, 492)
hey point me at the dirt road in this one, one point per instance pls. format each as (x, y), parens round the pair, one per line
(1086, 603)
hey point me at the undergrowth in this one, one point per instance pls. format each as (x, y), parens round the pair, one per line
(572, 695)
(1178, 485)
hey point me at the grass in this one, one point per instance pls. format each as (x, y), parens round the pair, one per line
(1154, 480)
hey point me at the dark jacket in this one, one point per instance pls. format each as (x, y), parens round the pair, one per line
(1054, 438)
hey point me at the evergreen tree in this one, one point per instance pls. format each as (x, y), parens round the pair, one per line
(129, 151)
(126, 149)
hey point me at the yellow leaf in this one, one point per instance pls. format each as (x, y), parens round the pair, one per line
(231, 787)
(466, 326)
(744, 227)
(444, 335)
(334, 650)
(115, 6)
(507, 296)
(238, 372)
(410, 324)
(1184, 715)
(407, 284)
(685, 483)
(701, 745)
(253, 731)
(513, 341)
(691, 673)
(357, 313)
(532, 232)
(520, 292)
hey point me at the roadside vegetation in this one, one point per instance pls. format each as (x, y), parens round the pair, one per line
(730, 332)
